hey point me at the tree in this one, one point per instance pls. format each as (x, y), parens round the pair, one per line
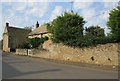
(114, 23)
(68, 26)
(95, 31)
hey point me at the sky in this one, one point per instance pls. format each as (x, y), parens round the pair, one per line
(24, 13)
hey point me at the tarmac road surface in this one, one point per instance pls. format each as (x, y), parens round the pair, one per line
(23, 67)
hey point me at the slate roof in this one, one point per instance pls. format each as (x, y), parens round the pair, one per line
(40, 30)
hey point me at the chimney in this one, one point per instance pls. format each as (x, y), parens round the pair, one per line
(7, 24)
(37, 24)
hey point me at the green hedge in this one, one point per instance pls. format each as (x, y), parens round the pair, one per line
(89, 41)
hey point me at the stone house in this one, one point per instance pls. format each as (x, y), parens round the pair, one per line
(39, 31)
(13, 37)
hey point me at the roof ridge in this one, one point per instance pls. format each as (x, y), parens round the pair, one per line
(17, 28)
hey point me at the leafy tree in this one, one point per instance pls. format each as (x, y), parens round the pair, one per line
(114, 23)
(68, 26)
(95, 31)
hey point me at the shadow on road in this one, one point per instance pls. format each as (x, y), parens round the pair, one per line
(9, 72)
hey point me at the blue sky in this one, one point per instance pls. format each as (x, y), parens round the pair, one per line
(26, 13)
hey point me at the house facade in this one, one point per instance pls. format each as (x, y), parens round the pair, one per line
(39, 31)
(13, 37)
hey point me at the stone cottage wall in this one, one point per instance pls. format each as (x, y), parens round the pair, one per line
(5, 43)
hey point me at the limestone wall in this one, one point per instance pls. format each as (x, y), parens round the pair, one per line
(21, 52)
(106, 54)
(5, 43)
(101, 54)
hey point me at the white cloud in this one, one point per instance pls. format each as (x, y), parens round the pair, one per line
(18, 7)
(13, 20)
(27, 0)
(88, 13)
(25, 10)
(56, 12)
(37, 9)
(92, 16)
(30, 8)
(97, 19)
(110, 0)
(59, 0)
(110, 5)
(81, 5)
(104, 16)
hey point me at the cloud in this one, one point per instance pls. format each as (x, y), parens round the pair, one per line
(81, 5)
(13, 19)
(104, 16)
(37, 9)
(59, 0)
(110, 5)
(24, 0)
(88, 13)
(110, 0)
(56, 12)
(17, 7)
(93, 16)
(85, 10)
(22, 12)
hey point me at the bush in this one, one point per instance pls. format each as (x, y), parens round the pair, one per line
(34, 43)
(24, 46)
(89, 41)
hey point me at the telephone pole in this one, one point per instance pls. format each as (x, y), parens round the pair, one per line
(71, 6)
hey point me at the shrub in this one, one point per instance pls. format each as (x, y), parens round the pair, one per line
(34, 43)
(24, 46)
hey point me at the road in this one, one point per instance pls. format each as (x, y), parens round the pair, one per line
(22, 67)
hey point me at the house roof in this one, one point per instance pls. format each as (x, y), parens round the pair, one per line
(40, 30)
(17, 35)
(14, 31)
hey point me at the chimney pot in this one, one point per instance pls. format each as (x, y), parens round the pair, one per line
(37, 24)
(7, 24)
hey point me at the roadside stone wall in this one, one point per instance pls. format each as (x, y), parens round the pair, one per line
(21, 52)
(106, 54)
